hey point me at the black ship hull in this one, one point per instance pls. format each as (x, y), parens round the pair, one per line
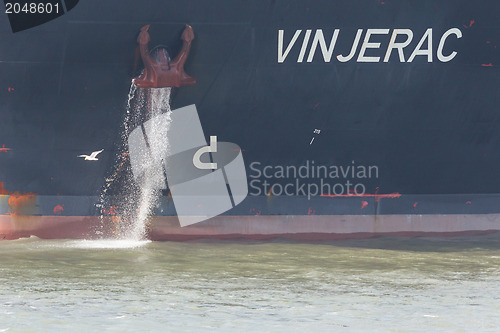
(353, 118)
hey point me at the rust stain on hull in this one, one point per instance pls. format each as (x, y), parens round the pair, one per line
(22, 203)
(3, 191)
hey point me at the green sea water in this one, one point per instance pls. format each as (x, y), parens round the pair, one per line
(375, 285)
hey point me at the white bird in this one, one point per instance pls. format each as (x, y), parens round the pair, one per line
(92, 156)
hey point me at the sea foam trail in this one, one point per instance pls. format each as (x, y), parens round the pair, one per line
(107, 244)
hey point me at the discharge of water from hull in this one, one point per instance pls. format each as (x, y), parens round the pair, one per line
(127, 200)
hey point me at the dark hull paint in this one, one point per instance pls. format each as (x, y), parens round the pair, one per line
(430, 128)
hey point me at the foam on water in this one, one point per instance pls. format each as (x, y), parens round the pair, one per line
(34, 243)
(107, 244)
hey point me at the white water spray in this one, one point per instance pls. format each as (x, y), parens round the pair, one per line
(138, 198)
(159, 103)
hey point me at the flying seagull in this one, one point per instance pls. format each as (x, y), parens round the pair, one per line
(92, 156)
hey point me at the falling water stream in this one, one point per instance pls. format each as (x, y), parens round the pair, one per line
(159, 103)
(134, 199)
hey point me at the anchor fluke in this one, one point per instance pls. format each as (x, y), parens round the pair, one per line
(162, 73)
